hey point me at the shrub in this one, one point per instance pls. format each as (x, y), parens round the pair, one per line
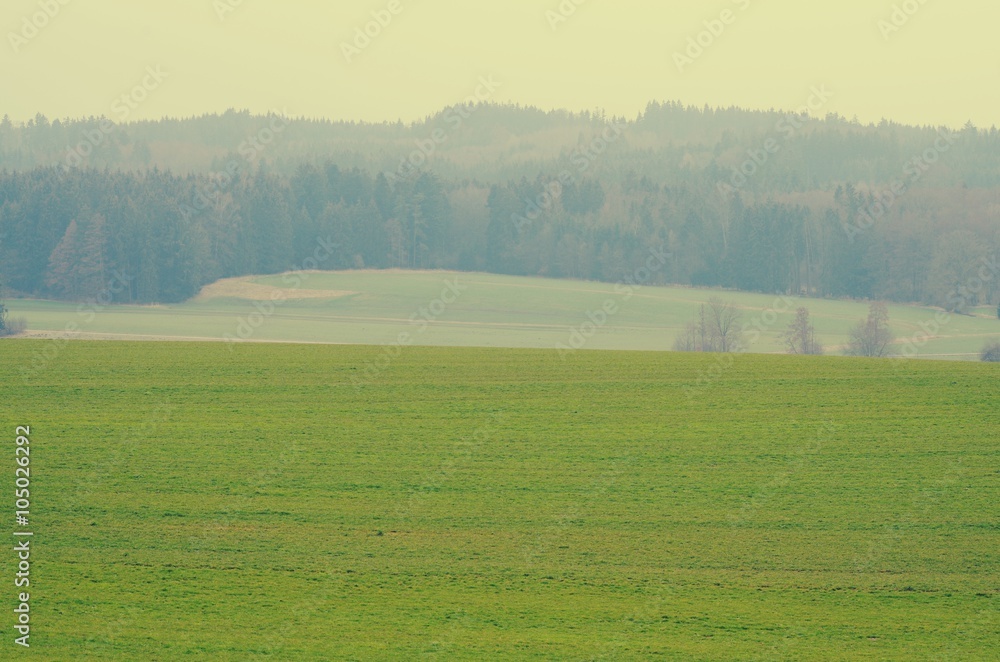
(11, 326)
(991, 353)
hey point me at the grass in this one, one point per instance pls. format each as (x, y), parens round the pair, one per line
(492, 311)
(195, 503)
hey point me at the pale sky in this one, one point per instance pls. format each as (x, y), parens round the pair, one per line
(942, 65)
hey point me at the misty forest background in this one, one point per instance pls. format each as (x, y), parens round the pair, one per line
(175, 204)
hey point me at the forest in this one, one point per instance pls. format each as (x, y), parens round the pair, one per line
(765, 201)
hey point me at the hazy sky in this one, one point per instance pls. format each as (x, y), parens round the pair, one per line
(942, 65)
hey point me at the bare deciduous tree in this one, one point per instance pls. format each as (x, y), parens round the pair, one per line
(724, 325)
(872, 336)
(717, 329)
(690, 339)
(800, 337)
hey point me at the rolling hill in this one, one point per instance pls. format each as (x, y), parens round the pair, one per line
(483, 310)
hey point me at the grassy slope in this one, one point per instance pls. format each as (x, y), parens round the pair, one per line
(493, 311)
(194, 503)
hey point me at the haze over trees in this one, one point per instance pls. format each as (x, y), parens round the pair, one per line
(760, 201)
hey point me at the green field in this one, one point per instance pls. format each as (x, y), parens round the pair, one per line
(359, 307)
(191, 502)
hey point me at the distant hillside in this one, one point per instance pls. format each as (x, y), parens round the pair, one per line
(399, 308)
(492, 143)
(760, 201)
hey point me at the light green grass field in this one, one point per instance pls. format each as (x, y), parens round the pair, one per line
(489, 311)
(191, 502)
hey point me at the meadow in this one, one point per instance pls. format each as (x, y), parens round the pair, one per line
(482, 310)
(258, 501)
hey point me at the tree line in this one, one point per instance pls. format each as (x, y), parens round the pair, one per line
(589, 207)
(719, 328)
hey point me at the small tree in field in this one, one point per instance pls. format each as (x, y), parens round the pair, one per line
(800, 337)
(717, 329)
(724, 321)
(690, 339)
(872, 336)
(10, 326)
(991, 353)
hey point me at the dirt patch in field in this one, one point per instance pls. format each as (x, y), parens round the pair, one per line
(245, 288)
